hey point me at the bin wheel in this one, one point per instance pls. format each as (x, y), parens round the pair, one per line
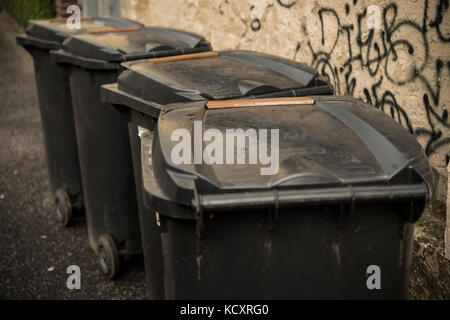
(63, 208)
(108, 256)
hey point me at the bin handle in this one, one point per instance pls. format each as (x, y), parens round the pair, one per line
(55, 20)
(114, 30)
(199, 55)
(223, 104)
(307, 197)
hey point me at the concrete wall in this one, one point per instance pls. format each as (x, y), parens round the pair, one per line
(402, 66)
(447, 228)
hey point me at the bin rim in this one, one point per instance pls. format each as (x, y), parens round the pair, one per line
(110, 93)
(62, 57)
(311, 196)
(25, 40)
(414, 195)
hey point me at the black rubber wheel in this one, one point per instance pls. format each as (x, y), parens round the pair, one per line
(63, 208)
(108, 256)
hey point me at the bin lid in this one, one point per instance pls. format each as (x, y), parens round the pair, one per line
(56, 29)
(121, 44)
(289, 142)
(214, 76)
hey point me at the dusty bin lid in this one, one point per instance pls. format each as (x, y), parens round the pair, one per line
(56, 30)
(212, 76)
(122, 44)
(330, 150)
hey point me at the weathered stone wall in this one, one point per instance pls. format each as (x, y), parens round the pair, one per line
(402, 66)
(447, 228)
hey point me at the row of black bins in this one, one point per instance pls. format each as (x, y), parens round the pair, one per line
(350, 185)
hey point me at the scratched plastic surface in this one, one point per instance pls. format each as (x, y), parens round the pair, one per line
(232, 74)
(115, 46)
(315, 146)
(58, 31)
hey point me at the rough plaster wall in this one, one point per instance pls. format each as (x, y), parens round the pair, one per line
(447, 228)
(403, 67)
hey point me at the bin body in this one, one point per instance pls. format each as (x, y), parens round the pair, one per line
(150, 233)
(145, 86)
(350, 186)
(104, 149)
(58, 126)
(102, 132)
(305, 254)
(55, 99)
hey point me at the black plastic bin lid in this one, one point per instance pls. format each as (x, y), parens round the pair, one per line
(331, 150)
(213, 76)
(56, 30)
(121, 44)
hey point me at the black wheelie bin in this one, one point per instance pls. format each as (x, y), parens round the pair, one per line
(56, 107)
(93, 59)
(145, 86)
(335, 219)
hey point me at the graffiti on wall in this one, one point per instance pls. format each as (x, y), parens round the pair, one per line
(388, 57)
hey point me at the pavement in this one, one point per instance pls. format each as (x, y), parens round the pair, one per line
(34, 251)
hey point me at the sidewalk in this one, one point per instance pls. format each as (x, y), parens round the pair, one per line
(34, 251)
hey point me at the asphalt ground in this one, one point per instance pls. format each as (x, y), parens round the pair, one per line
(34, 251)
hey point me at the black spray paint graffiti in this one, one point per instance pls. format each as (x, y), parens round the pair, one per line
(377, 53)
(286, 3)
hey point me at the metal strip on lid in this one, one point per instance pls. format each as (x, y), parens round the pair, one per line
(115, 30)
(185, 57)
(239, 103)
